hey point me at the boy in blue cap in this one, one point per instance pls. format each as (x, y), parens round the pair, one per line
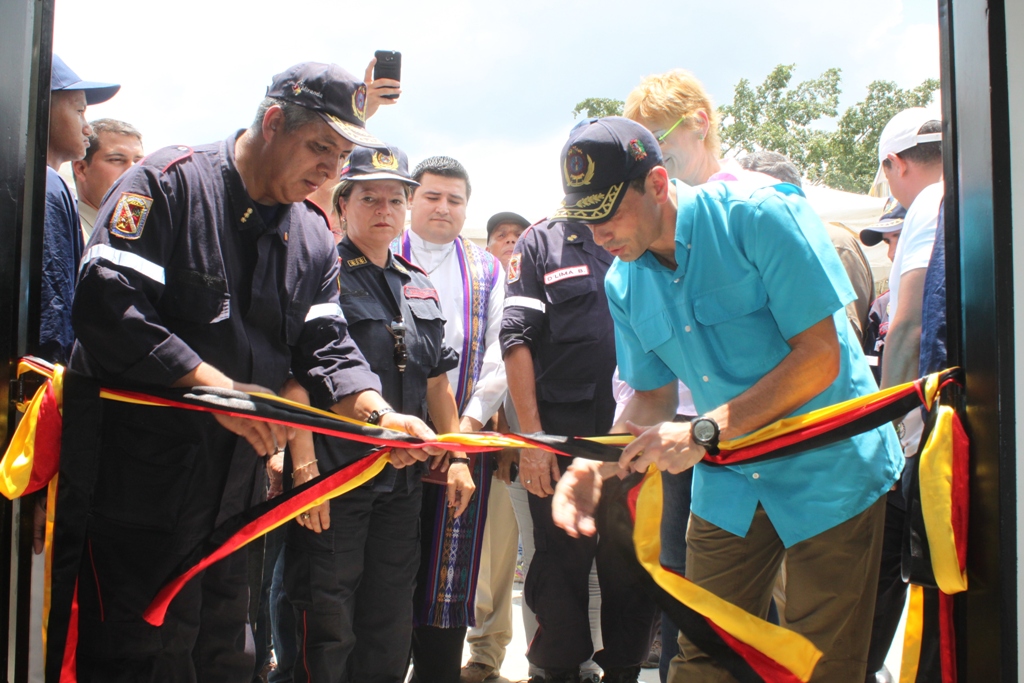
(62, 238)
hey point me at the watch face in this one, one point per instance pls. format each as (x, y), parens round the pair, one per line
(703, 430)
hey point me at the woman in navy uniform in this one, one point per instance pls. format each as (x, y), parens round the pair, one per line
(350, 564)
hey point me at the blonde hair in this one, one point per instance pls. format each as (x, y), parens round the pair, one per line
(670, 96)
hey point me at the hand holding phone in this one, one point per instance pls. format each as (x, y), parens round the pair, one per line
(389, 65)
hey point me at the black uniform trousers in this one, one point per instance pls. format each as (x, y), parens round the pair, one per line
(557, 590)
(357, 577)
(157, 497)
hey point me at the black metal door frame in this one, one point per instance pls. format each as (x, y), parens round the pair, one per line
(26, 37)
(979, 259)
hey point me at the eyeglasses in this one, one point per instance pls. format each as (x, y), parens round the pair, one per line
(397, 330)
(661, 138)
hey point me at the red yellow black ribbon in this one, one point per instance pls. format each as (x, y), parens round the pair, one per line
(773, 654)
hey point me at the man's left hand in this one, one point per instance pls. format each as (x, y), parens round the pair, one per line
(376, 89)
(667, 446)
(403, 457)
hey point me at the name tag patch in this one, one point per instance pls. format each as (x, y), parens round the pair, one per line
(565, 273)
(417, 293)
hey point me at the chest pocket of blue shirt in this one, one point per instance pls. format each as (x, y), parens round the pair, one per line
(195, 297)
(741, 330)
(428, 332)
(569, 299)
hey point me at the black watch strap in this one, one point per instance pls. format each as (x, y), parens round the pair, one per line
(376, 415)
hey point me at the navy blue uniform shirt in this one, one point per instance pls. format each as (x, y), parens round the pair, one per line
(555, 303)
(182, 269)
(373, 298)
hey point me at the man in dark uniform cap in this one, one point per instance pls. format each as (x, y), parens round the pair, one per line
(212, 270)
(558, 342)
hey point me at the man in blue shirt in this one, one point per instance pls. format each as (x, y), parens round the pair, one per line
(737, 292)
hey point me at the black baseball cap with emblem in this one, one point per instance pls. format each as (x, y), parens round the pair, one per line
(365, 163)
(890, 221)
(599, 159)
(335, 94)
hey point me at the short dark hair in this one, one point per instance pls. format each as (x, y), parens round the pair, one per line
(772, 164)
(926, 153)
(295, 115)
(108, 126)
(445, 167)
(639, 184)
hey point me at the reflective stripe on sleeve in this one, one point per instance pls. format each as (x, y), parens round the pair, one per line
(324, 311)
(525, 302)
(125, 259)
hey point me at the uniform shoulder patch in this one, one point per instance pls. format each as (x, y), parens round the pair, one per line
(515, 268)
(130, 214)
(356, 262)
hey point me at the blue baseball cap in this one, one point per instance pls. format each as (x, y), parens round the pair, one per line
(600, 157)
(63, 78)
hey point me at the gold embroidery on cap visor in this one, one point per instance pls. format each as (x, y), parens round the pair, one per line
(579, 211)
(351, 132)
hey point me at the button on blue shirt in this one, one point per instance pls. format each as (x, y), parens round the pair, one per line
(755, 268)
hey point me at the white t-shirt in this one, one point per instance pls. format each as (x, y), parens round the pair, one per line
(914, 250)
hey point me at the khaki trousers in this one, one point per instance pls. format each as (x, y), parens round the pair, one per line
(832, 579)
(493, 630)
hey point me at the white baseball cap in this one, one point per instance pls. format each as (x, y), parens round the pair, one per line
(901, 133)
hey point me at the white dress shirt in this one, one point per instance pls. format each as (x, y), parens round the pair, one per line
(87, 214)
(441, 264)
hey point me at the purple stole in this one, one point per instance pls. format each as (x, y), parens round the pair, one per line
(446, 595)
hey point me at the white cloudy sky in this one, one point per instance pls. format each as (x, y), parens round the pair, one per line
(490, 83)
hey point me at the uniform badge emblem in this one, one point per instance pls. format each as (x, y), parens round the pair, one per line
(515, 268)
(636, 149)
(385, 160)
(297, 89)
(579, 168)
(130, 214)
(572, 238)
(356, 262)
(359, 102)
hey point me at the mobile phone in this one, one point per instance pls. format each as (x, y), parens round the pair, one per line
(389, 65)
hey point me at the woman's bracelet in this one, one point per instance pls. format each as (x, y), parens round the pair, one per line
(302, 467)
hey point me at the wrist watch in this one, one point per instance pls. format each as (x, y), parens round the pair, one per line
(704, 432)
(376, 415)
